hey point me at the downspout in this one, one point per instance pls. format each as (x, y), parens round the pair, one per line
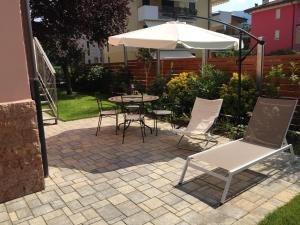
(34, 82)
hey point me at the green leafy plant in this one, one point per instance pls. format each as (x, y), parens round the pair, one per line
(209, 83)
(158, 86)
(284, 52)
(230, 96)
(294, 77)
(179, 90)
(276, 72)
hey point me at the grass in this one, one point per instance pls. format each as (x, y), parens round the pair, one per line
(288, 214)
(78, 106)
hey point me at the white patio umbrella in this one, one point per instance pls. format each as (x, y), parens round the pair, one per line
(171, 34)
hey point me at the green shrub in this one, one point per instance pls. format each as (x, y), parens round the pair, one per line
(158, 86)
(276, 72)
(284, 52)
(180, 90)
(229, 93)
(91, 79)
(209, 83)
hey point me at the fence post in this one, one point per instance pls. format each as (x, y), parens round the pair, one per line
(204, 57)
(158, 62)
(260, 65)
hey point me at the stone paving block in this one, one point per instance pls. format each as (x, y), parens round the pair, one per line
(4, 216)
(168, 218)
(41, 210)
(153, 203)
(60, 220)
(15, 205)
(137, 197)
(128, 208)
(47, 197)
(138, 218)
(53, 214)
(109, 212)
(77, 218)
(70, 196)
(90, 214)
(192, 218)
(126, 189)
(37, 221)
(117, 199)
(23, 213)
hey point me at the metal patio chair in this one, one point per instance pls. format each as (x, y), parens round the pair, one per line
(106, 113)
(133, 110)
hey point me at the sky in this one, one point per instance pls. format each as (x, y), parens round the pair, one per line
(236, 5)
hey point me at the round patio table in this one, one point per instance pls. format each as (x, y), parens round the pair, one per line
(146, 98)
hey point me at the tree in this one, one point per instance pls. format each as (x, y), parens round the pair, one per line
(58, 24)
(145, 55)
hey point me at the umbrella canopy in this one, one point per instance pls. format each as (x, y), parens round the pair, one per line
(171, 34)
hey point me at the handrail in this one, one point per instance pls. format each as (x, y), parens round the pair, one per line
(44, 55)
(51, 101)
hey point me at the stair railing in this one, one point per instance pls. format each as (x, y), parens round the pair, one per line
(46, 74)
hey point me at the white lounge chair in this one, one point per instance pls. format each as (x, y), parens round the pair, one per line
(204, 114)
(264, 137)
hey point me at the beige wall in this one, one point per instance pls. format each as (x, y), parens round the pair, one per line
(14, 82)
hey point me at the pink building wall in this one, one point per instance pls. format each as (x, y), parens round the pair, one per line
(264, 23)
(14, 82)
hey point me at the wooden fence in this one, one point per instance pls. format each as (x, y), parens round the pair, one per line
(228, 65)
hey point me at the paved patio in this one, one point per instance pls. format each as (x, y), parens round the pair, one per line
(97, 180)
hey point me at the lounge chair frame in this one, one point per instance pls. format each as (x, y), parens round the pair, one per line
(231, 173)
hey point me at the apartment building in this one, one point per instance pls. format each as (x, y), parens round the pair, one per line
(278, 22)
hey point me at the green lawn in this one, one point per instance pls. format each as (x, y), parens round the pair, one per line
(78, 106)
(288, 214)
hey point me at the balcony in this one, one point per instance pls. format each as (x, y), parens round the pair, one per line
(174, 12)
(150, 12)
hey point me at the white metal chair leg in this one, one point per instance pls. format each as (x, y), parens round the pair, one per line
(226, 189)
(184, 170)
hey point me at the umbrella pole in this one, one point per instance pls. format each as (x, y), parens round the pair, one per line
(240, 76)
(158, 62)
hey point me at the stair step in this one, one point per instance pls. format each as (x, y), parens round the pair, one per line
(46, 110)
(49, 118)
(44, 102)
(43, 95)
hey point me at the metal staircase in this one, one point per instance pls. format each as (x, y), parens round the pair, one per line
(47, 80)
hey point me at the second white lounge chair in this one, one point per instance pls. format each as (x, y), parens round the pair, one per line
(264, 137)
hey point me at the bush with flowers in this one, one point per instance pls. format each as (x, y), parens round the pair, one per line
(180, 90)
(229, 94)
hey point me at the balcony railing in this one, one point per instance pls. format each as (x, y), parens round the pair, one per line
(173, 12)
(151, 12)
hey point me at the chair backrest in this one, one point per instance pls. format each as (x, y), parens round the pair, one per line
(133, 104)
(99, 103)
(270, 121)
(204, 114)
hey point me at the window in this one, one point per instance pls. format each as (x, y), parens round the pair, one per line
(88, 44)
(298, 34)
(278, 14)
(96, 60)
(167, 3)
(88, 52)
(146, 2)
(277, 35)
(89, 61)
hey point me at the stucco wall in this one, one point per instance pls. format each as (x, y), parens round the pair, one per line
(270, 24)
(14, 83)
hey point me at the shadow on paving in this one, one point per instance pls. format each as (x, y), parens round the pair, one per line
(209, 189)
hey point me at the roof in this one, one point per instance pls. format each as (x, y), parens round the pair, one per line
(270, 4)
